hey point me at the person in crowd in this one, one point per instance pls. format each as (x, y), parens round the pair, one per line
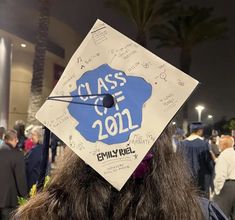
(2, 133)
(224, 181)
(20, 128)
(12, 175)
(214, 147)
(33, 158)
(177, 138)
(28, 142)
(215, 152)
(163, 191)
(197, 154)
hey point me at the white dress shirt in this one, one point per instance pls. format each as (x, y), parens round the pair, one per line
(224, 169)
(192, 137)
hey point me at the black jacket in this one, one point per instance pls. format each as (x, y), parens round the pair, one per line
(12, 176)
(33, 162)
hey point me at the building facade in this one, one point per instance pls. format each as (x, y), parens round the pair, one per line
(18, 26)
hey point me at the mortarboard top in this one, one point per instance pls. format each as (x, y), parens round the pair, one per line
(196, 126)
(113, 101)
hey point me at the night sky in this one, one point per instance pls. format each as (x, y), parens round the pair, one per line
(213, 62)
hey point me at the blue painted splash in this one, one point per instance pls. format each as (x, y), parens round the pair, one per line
(109, 125)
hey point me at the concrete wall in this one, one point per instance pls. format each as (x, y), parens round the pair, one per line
(21, 75)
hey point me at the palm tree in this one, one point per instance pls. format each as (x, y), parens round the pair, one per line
(35, 100)
(188, 28)
(143, 13)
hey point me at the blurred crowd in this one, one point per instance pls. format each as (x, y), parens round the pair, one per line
(210, 161)
(21, 156)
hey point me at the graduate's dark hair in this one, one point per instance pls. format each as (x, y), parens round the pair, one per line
(78, 192)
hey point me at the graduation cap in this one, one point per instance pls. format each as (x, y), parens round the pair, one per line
(194, 126)
(113, 101)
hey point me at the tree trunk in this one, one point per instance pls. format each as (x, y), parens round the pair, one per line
(35, 100)
(141, 38)
(185, 62)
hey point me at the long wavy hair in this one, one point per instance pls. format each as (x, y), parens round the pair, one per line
(76, 191)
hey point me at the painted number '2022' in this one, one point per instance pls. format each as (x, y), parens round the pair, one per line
(113, 125)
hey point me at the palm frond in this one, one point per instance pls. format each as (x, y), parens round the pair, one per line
(190, 26)
(143, 13)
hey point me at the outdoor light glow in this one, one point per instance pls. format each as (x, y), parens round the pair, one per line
(210, 116)
(174, 123)
(199, 109)
(23, 45)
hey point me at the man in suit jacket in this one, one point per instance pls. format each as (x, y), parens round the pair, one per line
(12, 175)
